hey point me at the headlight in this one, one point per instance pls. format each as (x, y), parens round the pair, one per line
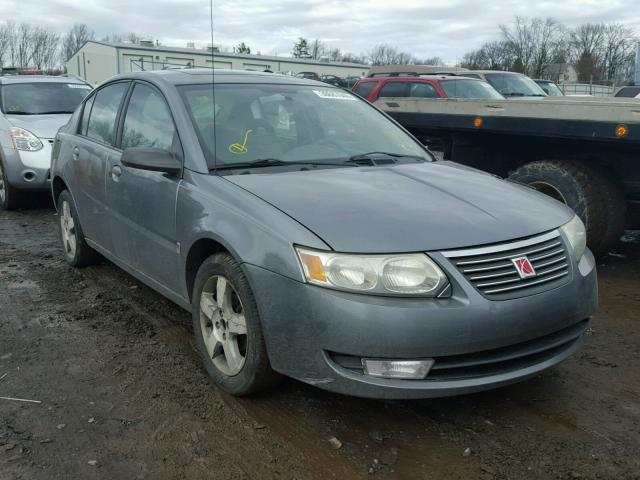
(25, 140)
(577, 236)
(408, 274)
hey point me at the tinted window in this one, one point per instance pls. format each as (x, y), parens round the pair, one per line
(289, 123)
(41, 98)
(467, 88)
(393, 89)
(148, 121)
(423, 90)
(628, 92)
(85, 115)
(103, 114)
(365, 89)
(514, 85)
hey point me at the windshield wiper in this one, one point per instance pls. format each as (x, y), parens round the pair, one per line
(21, 113)
(53, 112)
(371, 157)
(275, 162)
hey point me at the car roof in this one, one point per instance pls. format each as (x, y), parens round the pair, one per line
(206, 75)
(432, 77)
(9, 79)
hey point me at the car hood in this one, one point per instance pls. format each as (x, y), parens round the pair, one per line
(43, 126)
(406, 208)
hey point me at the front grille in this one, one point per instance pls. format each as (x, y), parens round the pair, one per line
(491, 270)
(489, 362)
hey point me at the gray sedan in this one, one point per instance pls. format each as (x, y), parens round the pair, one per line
(311, 236)
(33, 108)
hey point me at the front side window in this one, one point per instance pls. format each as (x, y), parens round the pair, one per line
(41, 98)
(148, 121)
(103, 115)
(467, 88)
(86, 111)
(423, 90)
(290, 123)
(393, 89)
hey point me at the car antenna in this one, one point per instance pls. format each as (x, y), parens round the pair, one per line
(213, 89)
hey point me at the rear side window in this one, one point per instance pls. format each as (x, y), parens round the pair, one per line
(102, 119)
(423, 90)
(628, 92)
(365, 89)
(393, 89)
(85, 115)
(148, 121)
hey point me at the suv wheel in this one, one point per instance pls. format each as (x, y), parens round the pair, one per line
(9, 196)
(227, 328)
(76, 251)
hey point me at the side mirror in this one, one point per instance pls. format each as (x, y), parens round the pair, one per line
(153, 159)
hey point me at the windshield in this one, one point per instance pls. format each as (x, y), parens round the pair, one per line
(514, 85)
(468, 89)
(291, 123)
(40, 98)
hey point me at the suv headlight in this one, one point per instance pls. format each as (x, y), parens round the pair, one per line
(400, 275)
(577, 235)
(25, 140)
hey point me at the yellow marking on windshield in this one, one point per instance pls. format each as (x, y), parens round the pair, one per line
(240, 148)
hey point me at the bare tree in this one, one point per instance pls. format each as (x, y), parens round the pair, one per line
(24, 45)
(384, 54)
(5, 43)
(45, 47)
(75, 38)
(316, 49)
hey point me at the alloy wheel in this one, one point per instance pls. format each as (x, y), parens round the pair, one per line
(3, 187)
(223, 325)
(68, 229)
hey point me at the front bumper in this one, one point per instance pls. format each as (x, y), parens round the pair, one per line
(318, 335)
(29, 170)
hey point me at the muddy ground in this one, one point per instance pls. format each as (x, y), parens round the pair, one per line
(124, 396)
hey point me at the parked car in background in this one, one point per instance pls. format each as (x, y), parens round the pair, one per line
(424, 86)
(629, 92)
(311, 236)
(509, 84)
(349, 82)
(309, 76)
(550, 88)
(33, 108)
(333, 80)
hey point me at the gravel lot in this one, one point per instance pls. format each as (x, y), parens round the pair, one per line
(123, 395)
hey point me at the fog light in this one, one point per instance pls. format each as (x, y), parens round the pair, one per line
(408, 369)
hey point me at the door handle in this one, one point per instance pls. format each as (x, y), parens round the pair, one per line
(76, 153)
(116, 171)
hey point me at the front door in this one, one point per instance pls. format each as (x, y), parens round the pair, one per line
(142, 203)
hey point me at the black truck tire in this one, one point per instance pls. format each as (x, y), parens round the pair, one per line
(615, 208)
(575, 185)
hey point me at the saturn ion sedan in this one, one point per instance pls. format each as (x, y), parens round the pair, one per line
(312, 237)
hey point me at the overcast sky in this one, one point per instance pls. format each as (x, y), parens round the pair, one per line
(445, 28)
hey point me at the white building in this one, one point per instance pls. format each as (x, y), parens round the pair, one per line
(97, 61)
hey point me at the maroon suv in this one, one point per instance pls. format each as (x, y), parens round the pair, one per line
(425, 86)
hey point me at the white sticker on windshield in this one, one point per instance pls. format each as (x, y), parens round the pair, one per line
(334, 95)
(78, 85)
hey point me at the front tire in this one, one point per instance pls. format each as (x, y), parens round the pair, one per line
(76, 251)
(227, 328)
(10, 197)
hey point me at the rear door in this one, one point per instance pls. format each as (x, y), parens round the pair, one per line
(91, 148)
(393, 88)
(142, 202)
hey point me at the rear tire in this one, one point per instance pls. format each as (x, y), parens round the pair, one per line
(574, 185)
(76, 251)
(10, 197)
(227, 328)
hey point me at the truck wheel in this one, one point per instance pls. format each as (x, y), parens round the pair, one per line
(574, 185)
(9, 196)
(614, 206)
(227, 328)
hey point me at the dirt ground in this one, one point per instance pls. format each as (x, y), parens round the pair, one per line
(123, 395)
